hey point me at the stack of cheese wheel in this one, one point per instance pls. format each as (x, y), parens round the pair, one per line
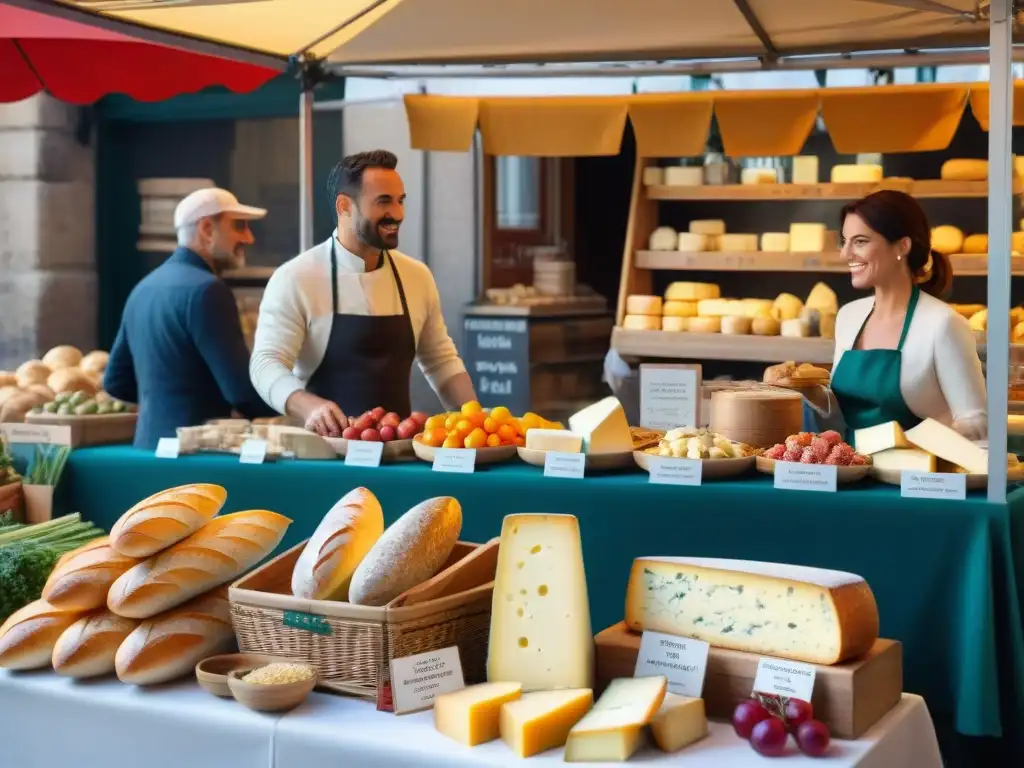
(950, 240)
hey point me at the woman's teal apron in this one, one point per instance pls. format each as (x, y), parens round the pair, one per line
(866, 383)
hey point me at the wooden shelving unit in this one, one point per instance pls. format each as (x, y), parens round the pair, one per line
(718, 346)
(928, 188)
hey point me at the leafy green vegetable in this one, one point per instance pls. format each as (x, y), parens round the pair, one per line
(48, 464)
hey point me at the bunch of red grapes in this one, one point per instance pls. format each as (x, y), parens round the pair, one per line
(767, 722)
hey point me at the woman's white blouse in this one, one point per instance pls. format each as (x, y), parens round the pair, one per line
(940, 375)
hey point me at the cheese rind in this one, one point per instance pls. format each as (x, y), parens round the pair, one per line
(856, 174)
(775, 242)
(904, 458)
(948, 444)
(542, 720)
(679, 723)
(540, 632)
(683, 291)
(554, 440)
(880, 437)
(614, 729)
(738, 243)
(707, 226)
(604, 428)
(787, 611)
(471, 716)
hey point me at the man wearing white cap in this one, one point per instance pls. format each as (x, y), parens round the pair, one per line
(180, 353)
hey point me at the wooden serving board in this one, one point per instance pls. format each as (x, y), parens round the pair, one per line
(92, 429)
(849, 698)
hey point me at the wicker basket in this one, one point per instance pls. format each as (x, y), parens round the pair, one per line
(352, 646)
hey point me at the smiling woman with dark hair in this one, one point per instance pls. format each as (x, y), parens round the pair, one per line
(902, 354)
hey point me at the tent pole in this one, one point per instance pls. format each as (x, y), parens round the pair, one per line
(306, 169)
(1000, 214)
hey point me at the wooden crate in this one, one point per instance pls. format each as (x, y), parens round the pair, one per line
(94, 429)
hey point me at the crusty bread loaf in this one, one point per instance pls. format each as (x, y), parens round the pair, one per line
(81, 579)
(165, 518)
(411, 551)
(87, 648)
(171, 644)
(28, 636)
(218, 552)
(341, 541)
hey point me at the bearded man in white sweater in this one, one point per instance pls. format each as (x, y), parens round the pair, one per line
(341, 324)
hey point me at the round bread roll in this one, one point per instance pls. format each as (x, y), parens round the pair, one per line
(71, 380)
(94, 362)
(8, 379)
(64, 356)
(32, 372)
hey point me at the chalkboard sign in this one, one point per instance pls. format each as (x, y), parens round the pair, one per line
(497, 354)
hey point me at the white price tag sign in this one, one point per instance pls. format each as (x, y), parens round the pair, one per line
(668, 471)
(168, 448)
(559, 464)
(670, 395)
(785, 678)
(933, 485)
(682, 660)
(793, 476)
(363, 453)
(40, 434)
(454, 460)
(254, 451)
(417, 680)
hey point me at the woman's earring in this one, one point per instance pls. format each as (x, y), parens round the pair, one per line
(899, 258)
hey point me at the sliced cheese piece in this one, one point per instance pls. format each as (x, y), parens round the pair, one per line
(540, 618)
(707, 227)
(775, 242)
(642, 322)
(643, 305)
(675, 308)
(948, 444)
(684, 175)
(663, 239)
(554, 440)
(797, 328)
(787, 611)
(541, 720)
(805, 169)
(880, 437)
(738, 243)
(904, 458)
(682, 291)
(786, 307)
(614, 729)
(865, 173)
(961, 169)
(737, 326)
(604, 428)
(692, 242)
(471, 716)
(822, 298)
(751, 176)
(704, 325)
(947, 239)
(975, 244)
(680, 722)
(766, 326)
(807, 238)
(653, 176)
(675, 324)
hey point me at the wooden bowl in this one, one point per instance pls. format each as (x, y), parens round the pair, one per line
(710, 469)
(595, 462)
(212, 673)
(395, 450)
(848, 474)
(483, 455)
(269, 697)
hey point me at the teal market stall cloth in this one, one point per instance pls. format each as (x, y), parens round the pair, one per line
(947, 575)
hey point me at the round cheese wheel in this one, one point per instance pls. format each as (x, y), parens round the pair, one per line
(765, 326)
(642, 322)
(683, 291)
(947, 239)
(672, 323)
(962, 169)
(643, 305)
(679, 309)
(705, 324)
(976, 244)
(737, 326)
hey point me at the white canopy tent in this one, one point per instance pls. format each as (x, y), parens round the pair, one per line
(396, 38)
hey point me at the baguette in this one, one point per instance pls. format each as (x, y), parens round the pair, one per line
(218, 552)
(325, 567)
(82, 578)
(87, 648)
(170, 645)
(28, 636)
(165, 518)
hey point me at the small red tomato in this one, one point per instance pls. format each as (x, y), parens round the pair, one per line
(364, 422)
(370, 435)
(407, 429)
(391, 420)
(419, 417)
(387, 433)
(350, 433)
(377, 413)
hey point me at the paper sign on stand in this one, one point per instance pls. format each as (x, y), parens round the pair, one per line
(254, 451)
(39, 434)
(682, 660)
(933, 485)
(559, 464)
(168, 448)
(669, 471)
(462, 460)
(670, 395)
(794, 476)
(363, 453)
(417, 680)
(781, 677)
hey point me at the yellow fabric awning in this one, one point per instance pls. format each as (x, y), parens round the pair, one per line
(766, 123)
(553, 126)
(441, 123)
(671, 125)
(893, 118)
(980, 96)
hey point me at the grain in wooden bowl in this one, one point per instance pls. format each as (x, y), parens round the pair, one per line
(273, 687)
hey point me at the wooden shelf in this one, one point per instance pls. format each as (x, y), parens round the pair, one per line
(964, 264)
(929, 188)
(717, 346)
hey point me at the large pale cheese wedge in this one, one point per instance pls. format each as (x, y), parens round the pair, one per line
(975, 244)
(751, 176)
(663, 239)
(674, 324)
(737, 326)
(738, 243)
(705, 325)
(471, 716)
(643, 305)
(947, 239)
(691, 242)
(788, 611)
(540, 619)
(775, 242)
(604, 427)
(642, 322)
(542, 720)
(679, 309)
(679, 723)
(904, 458)
(653, 176)
(683, 291)
(948, 444)
(856, 174)
(823, 299)
(807, 238)
(684, 175)
(554, 440)
(805, 169)
(880, 437)
(614, 729)
(707, 226)
(960, 169)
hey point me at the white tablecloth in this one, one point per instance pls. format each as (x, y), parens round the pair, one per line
(47, 721)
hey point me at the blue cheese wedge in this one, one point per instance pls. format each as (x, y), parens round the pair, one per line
(788, 611)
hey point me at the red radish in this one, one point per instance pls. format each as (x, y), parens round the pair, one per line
(387, 433)
(350, 433)
(370, 435)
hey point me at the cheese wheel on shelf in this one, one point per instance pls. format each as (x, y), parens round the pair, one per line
(682, 291)
(663, 239)
(643, 305)
(1017, 242)
(713, 307)
(642, 322)
(673, 308)
(786, 307)
(765, 326)
(691, 242)
(738, 243)
(752, 176)
(964, 169)
(705, 324)
(856, 174)
(976, 244)
(947, 239)
(707, 227)
(807, 238)
(714, 243)
(822, 298)
(757, 307)
(653, 176)
(737, 326)
(672, 323)
(805, 169)
(775, 242)
(684, 176)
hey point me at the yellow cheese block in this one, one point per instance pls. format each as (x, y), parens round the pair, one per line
(786, 307)
(805, 169)
(653, 176)
(542, 720)
(680, 722)
(775, 242)
(614, 729)
(757, 307)
(692, 242)
(822, 298)
(672, 323)
(675, 308)
(960, 169)
(643, 305)
(663, 239)
(471, 716)
(751, 176)
(684, 176)
(948, 444)
(766, 326)
(682, 291)
(561, 440)
(707, 227)
(797, 328)
(807, 238)
(738, 243)
(714, 242)
(856, 174)
(904, 458)
(880, 437)
(736, 326)
(604, 428)
(642, 322)
(827, 327)
(947, 239)
(976, 244)
(705, 325)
